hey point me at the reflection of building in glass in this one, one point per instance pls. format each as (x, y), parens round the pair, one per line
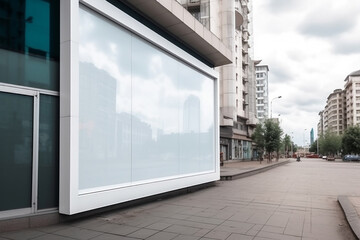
(100, 98)
(191, 117)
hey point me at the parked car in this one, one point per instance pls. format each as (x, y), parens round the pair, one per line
(324, 157)
(351, 158)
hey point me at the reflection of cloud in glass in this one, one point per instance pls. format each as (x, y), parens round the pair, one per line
(191, 114)
(144, 114)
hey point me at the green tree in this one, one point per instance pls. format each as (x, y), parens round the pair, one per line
(329, 144)
(258, 138)
(272, 136)
(313, 147)
(287, 144)
(351, 140)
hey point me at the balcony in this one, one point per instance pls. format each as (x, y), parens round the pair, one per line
(193, 3)
(239, 19)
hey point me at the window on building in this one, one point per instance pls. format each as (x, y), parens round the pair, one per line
(29, 43)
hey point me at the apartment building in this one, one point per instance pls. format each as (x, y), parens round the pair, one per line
(231, 22)
(262, 92)
(103, 102)
(334, 112)
(352, 89)
(342, 107)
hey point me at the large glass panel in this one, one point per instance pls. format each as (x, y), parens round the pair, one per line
(29, 43)
(143, 113)
(16, 150)
(190, 83)
(48, 178)
(105, 102)
(155, 103)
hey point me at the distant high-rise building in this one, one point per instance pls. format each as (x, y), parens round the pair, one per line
(311, 136)
(262, 92)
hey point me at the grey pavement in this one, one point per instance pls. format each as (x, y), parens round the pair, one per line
(297, 200)
(238, 169)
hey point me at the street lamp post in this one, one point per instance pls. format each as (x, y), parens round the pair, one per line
(291, 144)
(304, 140)
(271, 105)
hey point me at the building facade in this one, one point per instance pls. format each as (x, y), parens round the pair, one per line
(104, 102)
(262, 92)
(231, 22)
(342, 107)
(334, 112)
(352, 91)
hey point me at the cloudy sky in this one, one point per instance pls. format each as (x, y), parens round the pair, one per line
(310, 47)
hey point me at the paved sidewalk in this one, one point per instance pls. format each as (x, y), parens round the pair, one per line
(351, 208)
(239, 169)
(290, 202)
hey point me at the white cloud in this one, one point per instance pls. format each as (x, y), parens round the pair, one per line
(310, 47)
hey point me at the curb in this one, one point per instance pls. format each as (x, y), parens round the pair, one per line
(251, 172)
(351, 215)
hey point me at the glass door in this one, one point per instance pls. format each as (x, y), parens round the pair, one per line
(17, 152)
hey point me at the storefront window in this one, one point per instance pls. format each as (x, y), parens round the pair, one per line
(29, 43)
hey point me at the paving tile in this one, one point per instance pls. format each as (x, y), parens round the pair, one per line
(88, 223)
(186, 237)
(295, 225)
(205, 220)
(115, 229)
(217, 234)
(236, 236)
(143, 233)
(159, 226)
(182, 229)
(277, 236)
(190, 223)
(107, 236)
(254, 230)
(202, 232)
(139, 222)
(259, 218)
(77, 233)
(52, 237)
(273, 229)
(241, 216)
(14, 224)
(278, 220)
(236, 227)
(179, 216)
(163, 236)
(20, 235)
(52, 228)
